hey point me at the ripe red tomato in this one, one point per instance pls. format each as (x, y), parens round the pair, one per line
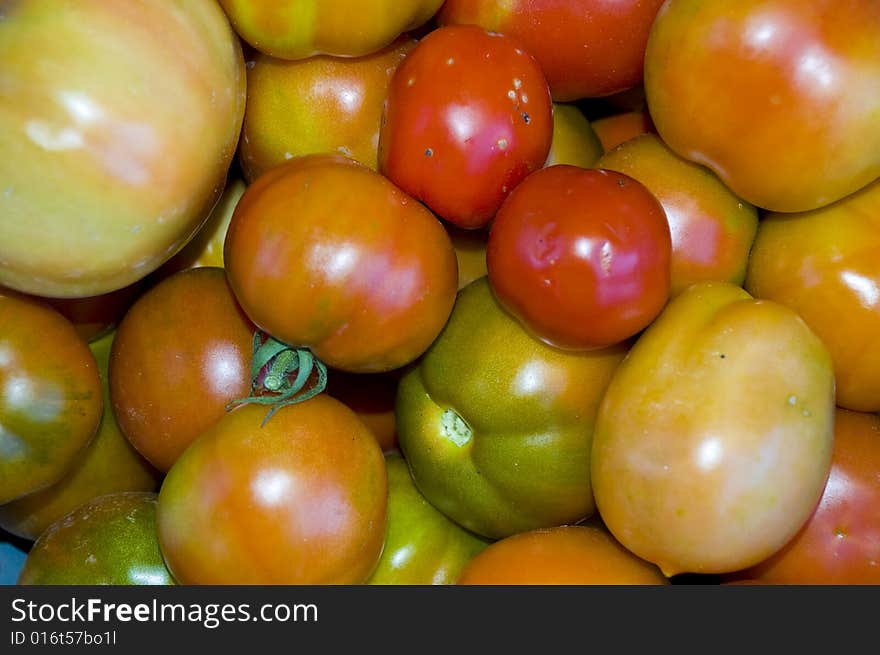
(181, 354)
(581, 256)
(324, 252)
(587, 48)
(468, 116)
(299, 500)
(779, 97)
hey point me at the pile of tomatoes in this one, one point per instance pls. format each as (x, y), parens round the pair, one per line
(425, 292)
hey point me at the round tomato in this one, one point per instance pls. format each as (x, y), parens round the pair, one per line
(825, 264)
(779, 97)
(326, 253)
(615, 129)
(110, 540)
(574, 141)
(110, 464)
(422, 545)
(181, 354)
(496, 426)
(713, 440)
(581, 257)
(586, 48)
(840, 543)
(316, 105)
(296, 29)
(298, 499)
(118, 123)
(712, 230)
(95, 316)
(561, 555)
(468, 116)
(50, 396)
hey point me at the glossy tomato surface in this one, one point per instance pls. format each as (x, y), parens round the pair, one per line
(586, 48)
(321, 104)
(581, 257)
(110, 464)
(468, 116)
(110, 540)
(181, 354)
(299, 499)
(497, 426)
(825, 265)
(840, 543)
(118, 122)
(561, 555)
(326, 253)
(713, 441)
(50, 395)
(712, 229)
(779, 97)
(296, 29)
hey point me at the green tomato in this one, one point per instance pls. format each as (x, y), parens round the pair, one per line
(497, 426)
(422, 546)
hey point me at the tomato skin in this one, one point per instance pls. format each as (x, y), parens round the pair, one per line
(50, 395)
(110, 540)
(714, 438)
(581, 257)
(181, 354)
(561, 555)
(825, 265)
(793, 91)
(840, 543)
(316, 105)
(574, 141)
(586, 48)
(296, 29)
(96, 153)
(712, 229)
(615, 129)
(371, 396)
(96, 316)
(299, 500)
(422, 545)
(496, 426)
(373, 308)
(468, 116)
(110, 464)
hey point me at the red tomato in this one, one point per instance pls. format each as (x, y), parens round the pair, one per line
(581, 256)
(840, 543)
(468, 116)
(779, 97)
(326, 253)
(587, 48)
(181, 354)
(299, 500)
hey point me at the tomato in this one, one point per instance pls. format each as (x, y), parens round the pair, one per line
(96, 316)
(712, 230)
(825, 264)
(108, 541)
(296, 29)
(496, 426)
(110, 464)
(581, 257)
(586, 48)
(114, 148)
(779, 97)
(574, 141)
(300, 499)
(562, 555)
(619, 127)
(713, 441)
(470, 252)
(422, 546)
(468, 116)
(840, 543)
(315, 105)
(181, 354)
(50, 395)
(326, 253)
(371, 396)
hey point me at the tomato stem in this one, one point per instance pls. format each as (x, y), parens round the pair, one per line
(280, 373)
